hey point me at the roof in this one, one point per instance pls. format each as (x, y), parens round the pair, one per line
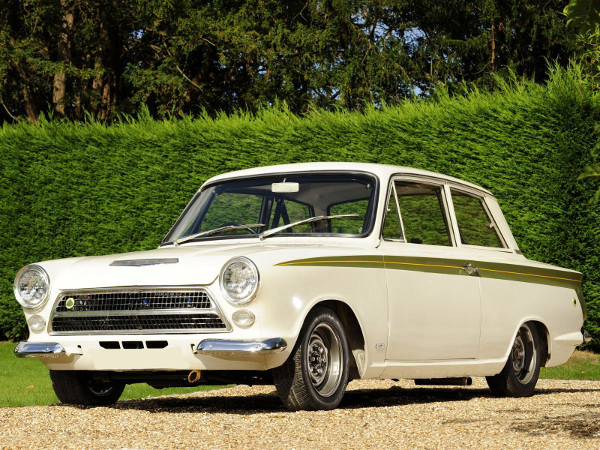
(383, 171)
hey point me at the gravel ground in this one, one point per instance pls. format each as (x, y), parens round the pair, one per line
(381, 414)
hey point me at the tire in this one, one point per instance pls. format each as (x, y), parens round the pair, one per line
(522, 369)
(316, 374)
(80, 388)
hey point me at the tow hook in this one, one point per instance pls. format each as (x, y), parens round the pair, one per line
(194, 376)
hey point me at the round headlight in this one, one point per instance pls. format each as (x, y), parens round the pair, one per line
(239, 280)
(32, 287)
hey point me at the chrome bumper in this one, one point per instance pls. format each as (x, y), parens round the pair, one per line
(216, 347)
(37, 349)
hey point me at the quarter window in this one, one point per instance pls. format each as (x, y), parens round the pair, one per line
(475, 225)
(391, 226)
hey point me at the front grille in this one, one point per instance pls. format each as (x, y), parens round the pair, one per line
(137, 311)
(133, 301)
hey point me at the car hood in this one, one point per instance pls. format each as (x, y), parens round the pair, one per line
(173, 266)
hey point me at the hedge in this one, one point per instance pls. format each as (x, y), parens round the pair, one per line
(73, 189)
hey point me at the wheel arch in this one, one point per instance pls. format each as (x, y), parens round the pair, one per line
(354, 333)
(543, 333)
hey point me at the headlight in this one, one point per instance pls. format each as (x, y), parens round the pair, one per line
(32, 287)
(239, 280)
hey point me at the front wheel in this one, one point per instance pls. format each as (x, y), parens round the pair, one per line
(522, 369)
(80, 388)
(316, 374)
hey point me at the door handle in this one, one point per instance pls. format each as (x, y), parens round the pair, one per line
(470, 269)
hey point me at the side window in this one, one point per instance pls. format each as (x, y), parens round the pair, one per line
(349, 225)
(475, 225)
(422, 213)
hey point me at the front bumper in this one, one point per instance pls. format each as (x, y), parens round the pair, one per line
(38, 349)
(227, 347)
(179, 353)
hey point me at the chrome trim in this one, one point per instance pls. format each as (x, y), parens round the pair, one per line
(125, 313)
(37, 349)
(217, 347)
(144, 262)
(16, 289)
(245, 301)
(139, 289)
(586, 336)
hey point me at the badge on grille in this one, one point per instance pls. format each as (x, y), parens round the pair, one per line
(70, 303)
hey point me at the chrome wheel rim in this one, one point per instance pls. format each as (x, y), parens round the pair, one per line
(524, 355)
(324, 359)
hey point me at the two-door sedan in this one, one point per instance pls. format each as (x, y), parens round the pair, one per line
(307, 276)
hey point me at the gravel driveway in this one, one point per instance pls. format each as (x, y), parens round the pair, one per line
(381, 414)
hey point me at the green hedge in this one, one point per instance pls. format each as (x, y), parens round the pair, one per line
(88, 189)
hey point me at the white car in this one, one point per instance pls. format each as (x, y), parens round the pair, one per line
(307, 276)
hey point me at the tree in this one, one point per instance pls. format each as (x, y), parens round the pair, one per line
(69, 57)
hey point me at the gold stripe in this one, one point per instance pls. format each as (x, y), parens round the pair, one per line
(350, 261)
(294, 263)
(533, 275)
(338, 261)
(423, 265)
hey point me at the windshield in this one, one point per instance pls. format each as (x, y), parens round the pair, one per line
(247, 208)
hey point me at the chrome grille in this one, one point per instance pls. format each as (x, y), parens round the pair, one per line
(137, 311)
(134, 301)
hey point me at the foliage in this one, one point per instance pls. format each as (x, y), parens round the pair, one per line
(584, 14)
(109, 58)
(86, 188)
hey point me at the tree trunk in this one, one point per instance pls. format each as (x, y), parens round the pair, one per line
(98, 84)
(30, 105)
(64, 55)
(494, 52)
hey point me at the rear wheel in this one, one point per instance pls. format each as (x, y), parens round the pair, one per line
(80, 388)
(316, 374)
(522, 369)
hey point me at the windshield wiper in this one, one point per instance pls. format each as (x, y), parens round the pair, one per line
(266, 234)
(218, 230)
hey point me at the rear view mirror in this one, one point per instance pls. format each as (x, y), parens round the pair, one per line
(285, 187)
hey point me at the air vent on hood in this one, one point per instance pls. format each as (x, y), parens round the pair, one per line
(144, 262)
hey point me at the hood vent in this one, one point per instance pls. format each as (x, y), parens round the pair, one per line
(144, 262)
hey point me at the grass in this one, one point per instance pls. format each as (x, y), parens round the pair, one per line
(581, 366)
(25, 382)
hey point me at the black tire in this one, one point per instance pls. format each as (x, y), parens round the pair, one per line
(522, 369)
(80, 388)
(316, 374)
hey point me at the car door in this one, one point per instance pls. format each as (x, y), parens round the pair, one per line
(433, 290)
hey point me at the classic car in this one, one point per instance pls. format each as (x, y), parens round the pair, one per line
(307, 276)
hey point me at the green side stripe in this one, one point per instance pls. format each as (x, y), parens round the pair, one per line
(446, 266)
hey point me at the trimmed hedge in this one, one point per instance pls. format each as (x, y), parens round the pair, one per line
(87, 189)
